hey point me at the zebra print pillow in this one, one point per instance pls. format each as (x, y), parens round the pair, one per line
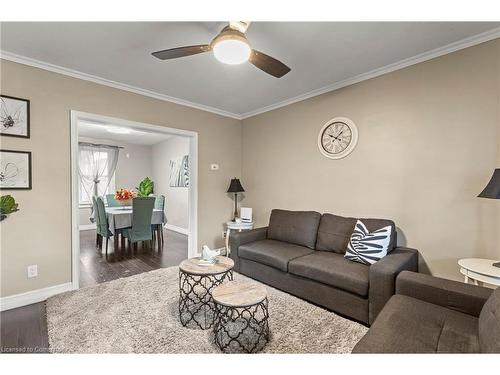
(365, 247)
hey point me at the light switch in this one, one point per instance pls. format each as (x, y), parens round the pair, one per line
(214, 167)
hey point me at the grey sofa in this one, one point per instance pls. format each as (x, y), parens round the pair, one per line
(302, 253)
(433, 315)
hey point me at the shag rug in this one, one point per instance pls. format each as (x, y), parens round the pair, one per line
(139, 314)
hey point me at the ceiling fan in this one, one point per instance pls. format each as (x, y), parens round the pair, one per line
(230, 46)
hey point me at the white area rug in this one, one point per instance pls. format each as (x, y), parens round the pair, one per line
(139, 314)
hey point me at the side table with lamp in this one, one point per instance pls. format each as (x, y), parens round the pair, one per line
(484, 270)
(237, 223)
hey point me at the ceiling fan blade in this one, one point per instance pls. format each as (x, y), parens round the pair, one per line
(268, 64)
(174, 53)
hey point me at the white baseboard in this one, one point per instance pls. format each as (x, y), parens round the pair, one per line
(34, 296)
(176, 229)
(86, 226)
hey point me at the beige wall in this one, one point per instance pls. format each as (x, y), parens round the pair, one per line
(429, 141)
(40, 233)
(429, 136)
(176, 198)
(134, 163)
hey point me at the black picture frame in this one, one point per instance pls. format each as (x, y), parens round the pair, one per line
(29, 187)
(27, 118)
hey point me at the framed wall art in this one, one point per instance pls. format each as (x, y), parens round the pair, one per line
(179, 172)
(14, 117)
(15, 170)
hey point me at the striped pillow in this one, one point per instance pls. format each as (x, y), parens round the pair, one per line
(365, 247)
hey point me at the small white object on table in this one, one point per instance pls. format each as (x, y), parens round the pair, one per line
(479, 270)
(233, 225)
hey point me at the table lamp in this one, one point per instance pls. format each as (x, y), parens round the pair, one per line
(492, 191)
(235, 187)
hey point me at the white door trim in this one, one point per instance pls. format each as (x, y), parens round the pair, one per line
(77, 116)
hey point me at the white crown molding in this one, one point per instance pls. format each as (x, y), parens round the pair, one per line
(452, 47)
(6, 55)
(449, 48)
(34, 296)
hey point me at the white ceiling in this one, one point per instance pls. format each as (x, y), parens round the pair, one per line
(322, 55)
(137, 137)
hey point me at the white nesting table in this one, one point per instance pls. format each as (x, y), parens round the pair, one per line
(479, 270)
(232, 225)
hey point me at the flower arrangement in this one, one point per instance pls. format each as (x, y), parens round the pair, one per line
(124, 196)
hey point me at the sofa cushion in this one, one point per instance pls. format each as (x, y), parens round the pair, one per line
(332, 269)
(273, 253)
(335, 231)
(409, 325)
(297, 227)
(368, 247)
(489, 324)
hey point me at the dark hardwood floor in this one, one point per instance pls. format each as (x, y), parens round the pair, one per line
(24, 330)
(95, 268)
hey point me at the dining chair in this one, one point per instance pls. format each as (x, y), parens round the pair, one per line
(111, 201)
(142, 211)
(102, 226)
(158, 228)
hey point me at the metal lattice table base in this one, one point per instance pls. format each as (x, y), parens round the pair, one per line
(196, 306)
(242, 329)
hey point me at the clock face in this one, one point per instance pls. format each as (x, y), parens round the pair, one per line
(337, 138)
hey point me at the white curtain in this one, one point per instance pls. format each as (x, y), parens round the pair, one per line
(96, 166)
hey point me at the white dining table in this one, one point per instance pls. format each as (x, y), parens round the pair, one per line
(121, 217)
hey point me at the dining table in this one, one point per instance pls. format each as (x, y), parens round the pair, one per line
(121, 218)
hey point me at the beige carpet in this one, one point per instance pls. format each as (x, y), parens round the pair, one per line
(139, 314)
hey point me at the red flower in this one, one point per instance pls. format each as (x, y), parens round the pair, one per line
(124, 194)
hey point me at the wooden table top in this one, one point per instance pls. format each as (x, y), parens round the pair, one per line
(195, 266)
(239, 294)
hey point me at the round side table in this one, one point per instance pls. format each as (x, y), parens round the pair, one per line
(196, 281)
(479, 270)
(232, 225)
(242, 318)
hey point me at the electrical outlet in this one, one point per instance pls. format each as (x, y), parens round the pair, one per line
(224, 234)
(33, 271)
(214, 167)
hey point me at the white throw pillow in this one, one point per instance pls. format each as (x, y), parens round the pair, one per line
(368, 248)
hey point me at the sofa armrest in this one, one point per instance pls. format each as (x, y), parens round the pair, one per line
(236, 239)
(454, 295)
(382, 277)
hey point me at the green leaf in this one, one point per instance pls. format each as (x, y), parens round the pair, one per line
(145, 187)
(8, 205)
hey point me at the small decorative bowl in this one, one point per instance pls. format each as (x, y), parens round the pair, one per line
(126, 202)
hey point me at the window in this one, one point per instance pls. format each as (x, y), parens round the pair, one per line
(89, 162)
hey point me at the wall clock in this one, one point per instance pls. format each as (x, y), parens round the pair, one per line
(337, 138)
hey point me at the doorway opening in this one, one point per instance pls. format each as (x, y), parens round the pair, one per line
(109, 154)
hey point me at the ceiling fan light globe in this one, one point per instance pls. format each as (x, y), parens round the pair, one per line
(232, 51)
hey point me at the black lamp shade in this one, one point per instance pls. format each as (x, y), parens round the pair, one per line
(492, 190)
(235, 186)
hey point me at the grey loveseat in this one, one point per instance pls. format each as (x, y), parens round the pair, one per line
(302, 253)
(433, 315)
